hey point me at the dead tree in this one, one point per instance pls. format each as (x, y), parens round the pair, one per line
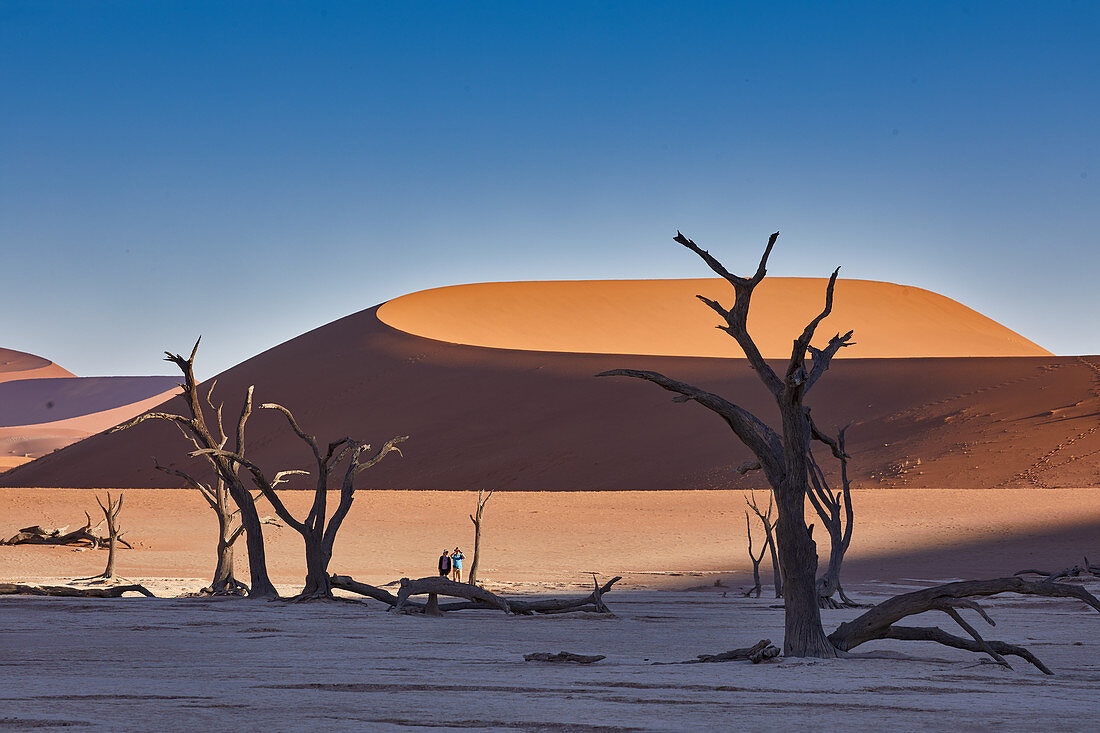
(318, 530)
(38, 535)
(482, 500)
(880, 621)
(1074, 571)
(195, 429)
(829, 508)
(110, 513)
(755, 559)
(225, 581)
(782, 456)
(769, 532)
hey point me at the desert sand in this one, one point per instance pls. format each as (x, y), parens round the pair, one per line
(965, 466)
(23, 443)
(15, 365)
(531, 537)
(532, 420)
(44, 408)
(281, 665)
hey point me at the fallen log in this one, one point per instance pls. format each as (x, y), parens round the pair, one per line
(757, 653)
(115, 591)
(567, 657)
(879, 622)
(1075, 571)
(565, 605)
(348, 583)
(522, 606)
(39, 535)
(441, 586)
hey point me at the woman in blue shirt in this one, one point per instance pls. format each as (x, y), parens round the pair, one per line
(456, 565)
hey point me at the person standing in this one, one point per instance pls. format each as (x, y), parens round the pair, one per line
(456, 564)
(445, 564)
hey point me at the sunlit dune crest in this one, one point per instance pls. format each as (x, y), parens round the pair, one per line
(664, 318)
(15, 365)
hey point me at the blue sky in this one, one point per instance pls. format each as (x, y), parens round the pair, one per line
(250, 171)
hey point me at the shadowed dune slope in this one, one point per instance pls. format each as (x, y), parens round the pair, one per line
(31, 401)
(509, 419)
(663, 317)
(16, 365)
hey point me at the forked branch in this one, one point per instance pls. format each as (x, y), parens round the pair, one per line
(880, 621)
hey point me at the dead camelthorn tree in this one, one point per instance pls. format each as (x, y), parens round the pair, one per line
(318, 530)
(782, 456)
(755, 560)
(768, 521)
(829, 507)
(482, 500)
(195, 429)
(225, 581)
(110, 514)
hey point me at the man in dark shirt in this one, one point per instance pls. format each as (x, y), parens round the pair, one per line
(445, 564)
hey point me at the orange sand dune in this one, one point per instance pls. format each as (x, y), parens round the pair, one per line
(509, 419)
(16, 365)
(663, 317)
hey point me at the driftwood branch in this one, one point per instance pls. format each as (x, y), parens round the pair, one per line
(522, 606)
(880, 621)
(116, 591)
(759, 652)
(1074, 571)
(566, 657)
(446, 587)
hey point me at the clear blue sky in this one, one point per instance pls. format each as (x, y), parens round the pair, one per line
(253, 170)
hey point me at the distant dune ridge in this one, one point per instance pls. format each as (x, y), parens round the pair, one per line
(513, 418)
(16, 365)
(44, 407)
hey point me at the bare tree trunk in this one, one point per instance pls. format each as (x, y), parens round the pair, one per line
(782, 458)
(755, 560)
(317, 584)
(224, 581)
(803, 634)
(212, 448)
(769, 530)
(261, 586)
(829, 507)
(777, 569)
(482, 500)
(110, 513)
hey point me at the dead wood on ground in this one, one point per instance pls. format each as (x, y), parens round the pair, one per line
(87, 535)
(879, 622)
(1075, 571)
(759, 652)
(567, 657)
(116, 591)
(521, 606)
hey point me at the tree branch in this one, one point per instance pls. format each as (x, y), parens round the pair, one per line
(309, 439)
(757, 436)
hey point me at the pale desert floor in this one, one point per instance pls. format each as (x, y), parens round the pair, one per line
(135, 664)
